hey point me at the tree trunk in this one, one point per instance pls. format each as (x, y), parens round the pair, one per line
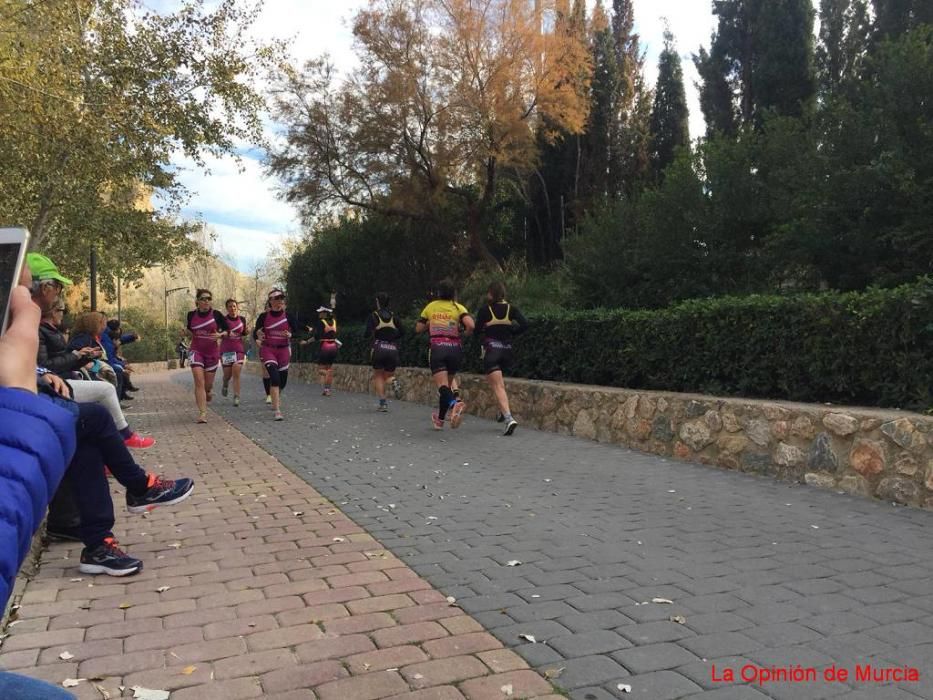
(40, 222)
(475, 235)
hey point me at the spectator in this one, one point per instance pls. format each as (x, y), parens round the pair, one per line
(87, 332)
(55, 357)
(182, 350)
(119, 338)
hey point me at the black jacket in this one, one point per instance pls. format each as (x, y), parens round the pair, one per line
(54, 354)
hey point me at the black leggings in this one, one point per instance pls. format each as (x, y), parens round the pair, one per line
(277, 377)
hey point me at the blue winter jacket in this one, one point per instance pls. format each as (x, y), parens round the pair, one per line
(37, 441)
(111, 350)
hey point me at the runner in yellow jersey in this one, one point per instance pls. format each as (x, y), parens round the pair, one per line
(443, 319)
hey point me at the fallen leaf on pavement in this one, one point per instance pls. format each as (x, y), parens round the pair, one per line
(188, 670)
(162, 589)
(71, 682)
(550, 673)
(662, 601)
(65, 655)
(125, 606)
(679, 619)
(514, 562)
(624, 688)
(507, 690)
(528, 637)
(140, 693)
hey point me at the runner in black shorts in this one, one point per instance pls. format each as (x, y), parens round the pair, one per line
(498, 321)
(442, 318)
(385, 330)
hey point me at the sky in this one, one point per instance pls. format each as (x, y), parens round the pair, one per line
(239, 202)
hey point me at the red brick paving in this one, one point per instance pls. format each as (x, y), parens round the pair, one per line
(268, 591)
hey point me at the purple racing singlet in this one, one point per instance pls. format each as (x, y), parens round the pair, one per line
(204, 351)
(233, 343)
(276, 348)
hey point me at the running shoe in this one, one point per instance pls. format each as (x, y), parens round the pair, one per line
(326, 392)
(139, 442)
(160, 492)
(436, 422)
(278, 416)
(223, 389)
(108, 558)
(236, 400)
(397, 388)
(202, 417)
(384, 407)
(456, 414)
(510, 428)
(499, 417)
(268, 399)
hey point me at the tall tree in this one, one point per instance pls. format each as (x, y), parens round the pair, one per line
(630, 136)
(597, 139)
(96, 96)
(670, 128)
(763, 51)
(845, 32)
(446, 103)
(716, 98)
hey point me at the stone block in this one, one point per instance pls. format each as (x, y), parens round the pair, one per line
(788, 455)
(867, 457)
(661, 429)
(903, 432)
(825, 481)
(821, 455)
(696, 434)
(840, 424)
(758, 431)
(898, 489)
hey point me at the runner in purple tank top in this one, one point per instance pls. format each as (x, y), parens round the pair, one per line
(274, 331)
(232, 351)
(206, 326)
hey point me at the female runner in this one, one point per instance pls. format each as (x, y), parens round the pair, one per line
(206, 326)
(274, 331)
(232, 351)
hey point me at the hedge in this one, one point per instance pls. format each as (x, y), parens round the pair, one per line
(869, 348)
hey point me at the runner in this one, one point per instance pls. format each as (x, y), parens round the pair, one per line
(232, 351)
(498, 321)
(266, 383)
(274, 331)
(386, 330)
(325, 331)
(442, 318)
(206, 326)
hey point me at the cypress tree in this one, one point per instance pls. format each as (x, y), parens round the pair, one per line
(670, 128)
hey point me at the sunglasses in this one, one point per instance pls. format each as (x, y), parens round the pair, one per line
(205, 299)
(277, 297)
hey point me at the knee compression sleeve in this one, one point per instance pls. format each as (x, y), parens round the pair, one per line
(275, 377)
(283, 379)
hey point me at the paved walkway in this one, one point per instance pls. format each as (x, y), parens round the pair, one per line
(758, 572)
(255, 587)
(262, 601)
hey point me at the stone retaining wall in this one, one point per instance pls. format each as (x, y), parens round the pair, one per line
(869, 452)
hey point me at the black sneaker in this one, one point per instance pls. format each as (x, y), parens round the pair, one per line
(62, 534)
(109, 559)
(499, 417)
(510, 428)
(161, 492)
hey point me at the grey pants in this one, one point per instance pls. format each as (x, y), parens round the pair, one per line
(103, 393)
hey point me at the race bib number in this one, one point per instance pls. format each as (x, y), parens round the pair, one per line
(228, 358)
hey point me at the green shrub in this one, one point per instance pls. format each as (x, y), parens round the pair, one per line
(870, 348)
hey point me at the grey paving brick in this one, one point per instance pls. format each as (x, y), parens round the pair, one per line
(538, 654)
(782, 634)
(660, 685)
(710, 623)
(655, 632)
(711, 646)
(588, 671)
(839, 623)
(654, 657)
(600, 601)
(738, 692)
(596, 620)
(588, 643)
(539, 611)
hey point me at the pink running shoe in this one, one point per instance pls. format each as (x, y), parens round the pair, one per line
(139, 442)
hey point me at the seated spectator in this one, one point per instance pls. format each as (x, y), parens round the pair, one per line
(87, 332)
(119, 338)
(55, 356)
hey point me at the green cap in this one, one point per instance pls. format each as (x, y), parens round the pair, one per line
(44, 269)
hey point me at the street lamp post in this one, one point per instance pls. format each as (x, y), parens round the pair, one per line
(165, 308)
